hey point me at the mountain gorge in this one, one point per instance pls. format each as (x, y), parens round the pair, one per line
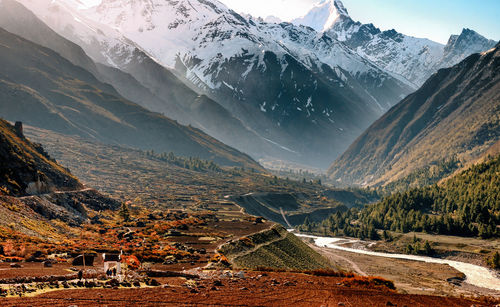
(247, 66)
(186, 146)
(455, 113)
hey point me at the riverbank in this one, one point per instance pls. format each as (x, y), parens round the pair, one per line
(412, 274)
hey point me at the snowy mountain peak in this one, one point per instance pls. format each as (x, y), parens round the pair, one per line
(460, 46)
(323, 15)
(469, 41)
(272, 19)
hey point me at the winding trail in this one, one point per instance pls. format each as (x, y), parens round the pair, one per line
(255, 248)
(353, 264)
(475, 275)
(284, 217)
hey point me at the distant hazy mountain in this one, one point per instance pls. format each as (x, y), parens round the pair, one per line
(292, 86)
(416, 59)
(455, 112)
(43, 89)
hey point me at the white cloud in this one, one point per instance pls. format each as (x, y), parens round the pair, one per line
(284, 9)
(89, 3)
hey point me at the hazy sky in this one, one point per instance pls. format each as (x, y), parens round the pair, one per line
(434, 19)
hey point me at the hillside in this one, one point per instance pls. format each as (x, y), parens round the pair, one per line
(455, 113)
(467, 204)
(273, 248)
(25, 168)
(68, 99)
(39, 197)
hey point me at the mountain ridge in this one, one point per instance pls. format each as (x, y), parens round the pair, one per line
(456, 112)
(139, 77)
(416, 59)
(228, 72)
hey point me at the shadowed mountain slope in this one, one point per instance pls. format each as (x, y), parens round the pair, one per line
(43, 89)
(25, 168)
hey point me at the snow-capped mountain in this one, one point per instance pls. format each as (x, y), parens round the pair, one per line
(463, 45)
(323, 15)
(296, 92)
(141, 79)
(272, 19)
(416, 59)
(285, 82)
(297, 89)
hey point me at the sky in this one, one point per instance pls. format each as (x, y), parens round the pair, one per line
(433, 19)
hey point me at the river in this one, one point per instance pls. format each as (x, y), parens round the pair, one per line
(475, 275)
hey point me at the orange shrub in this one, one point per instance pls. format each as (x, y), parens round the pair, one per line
(370, 281)
(131, 261)
(220, 258)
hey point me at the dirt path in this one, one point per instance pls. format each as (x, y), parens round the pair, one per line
(56, 193)
(284, 218)
(331, 255)
(233, 239)
(256, 247)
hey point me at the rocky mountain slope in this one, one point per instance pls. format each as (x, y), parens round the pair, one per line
(35, 189)
(286, 84)
(25, 168)
(416, 59)
(66, 98)
(456, 112)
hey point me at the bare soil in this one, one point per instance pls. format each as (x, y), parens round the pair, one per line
(411, 277)
(33, 269)
(256, 289)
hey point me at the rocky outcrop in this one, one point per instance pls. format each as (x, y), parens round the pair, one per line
(25, 168)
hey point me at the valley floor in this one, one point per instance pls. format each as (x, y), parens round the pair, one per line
(173, 194)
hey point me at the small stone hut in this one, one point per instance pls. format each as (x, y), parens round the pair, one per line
(112, 261)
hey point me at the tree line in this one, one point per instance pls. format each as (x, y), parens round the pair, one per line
(467, 204)
(190, 163)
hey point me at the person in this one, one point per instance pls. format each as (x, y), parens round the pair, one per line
(108, 272)
(114, 271)
(80, 275)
